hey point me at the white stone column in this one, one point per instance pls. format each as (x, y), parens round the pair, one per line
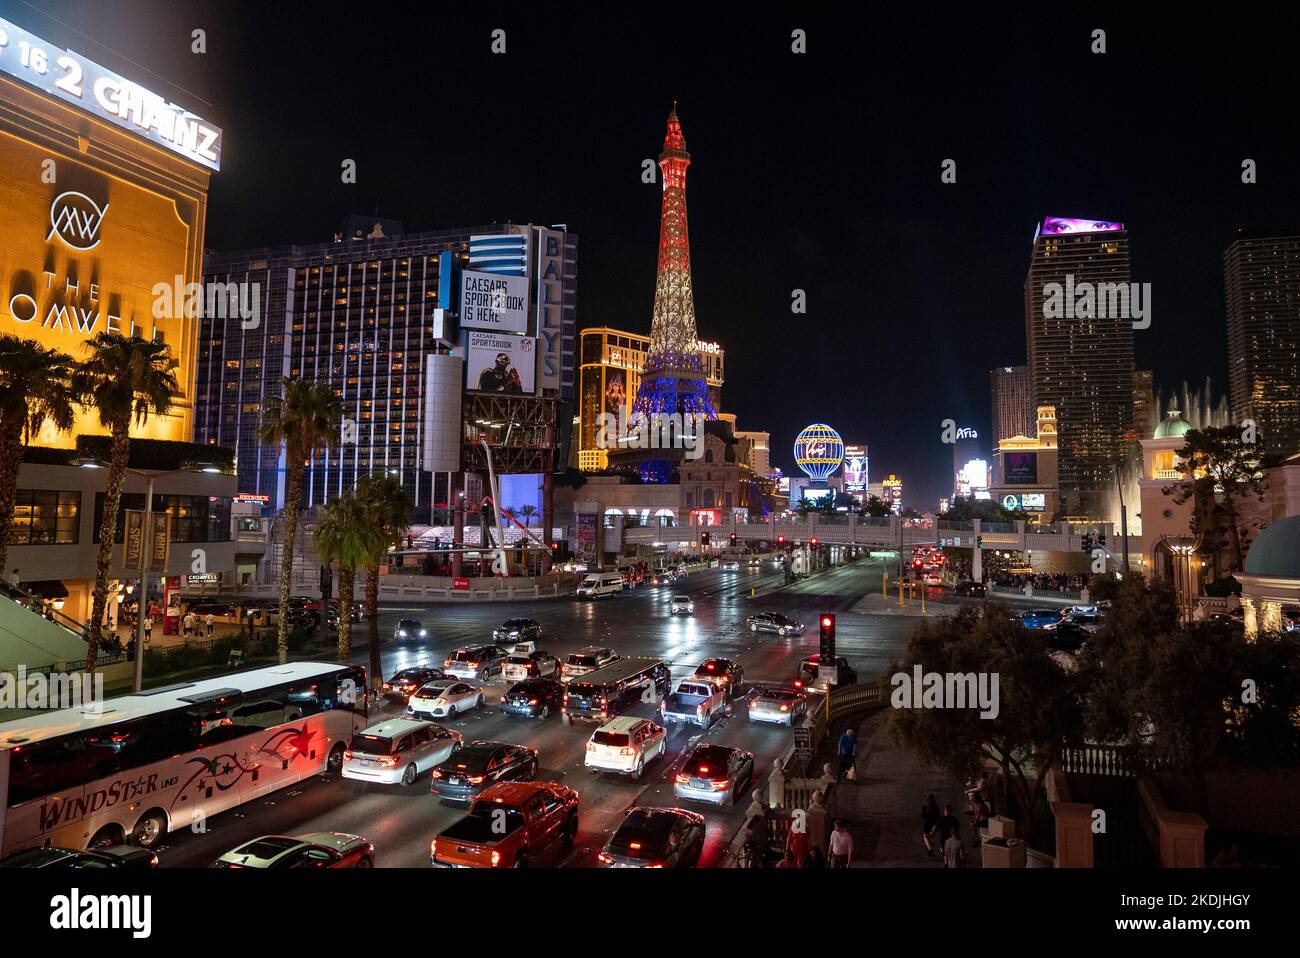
(1249, 617)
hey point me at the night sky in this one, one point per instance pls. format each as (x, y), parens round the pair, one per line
(818, 172)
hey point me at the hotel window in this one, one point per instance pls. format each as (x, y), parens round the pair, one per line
(42, 517)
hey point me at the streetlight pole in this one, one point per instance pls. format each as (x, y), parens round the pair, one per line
(146, 560)
(1123, 519)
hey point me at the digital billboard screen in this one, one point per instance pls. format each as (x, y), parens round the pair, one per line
(500, 364)
(1020, 468)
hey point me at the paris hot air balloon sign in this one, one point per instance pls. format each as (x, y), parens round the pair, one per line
(818, 451)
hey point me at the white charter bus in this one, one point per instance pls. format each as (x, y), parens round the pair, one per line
(133, 768)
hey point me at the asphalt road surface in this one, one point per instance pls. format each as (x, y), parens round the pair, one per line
(401, 821)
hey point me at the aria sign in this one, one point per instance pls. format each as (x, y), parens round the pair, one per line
(75, 218)
(102, 93)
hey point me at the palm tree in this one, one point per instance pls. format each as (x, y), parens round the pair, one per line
(35, 388)
(126, 380)
(528, 511)
(306, 419)
(344, 535)
(389, 511)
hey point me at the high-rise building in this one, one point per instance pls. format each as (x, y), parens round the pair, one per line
(1079, 338)
(434, 341)
(1013, 402)
(758, 447)
(1144, 404)
(1262, 281)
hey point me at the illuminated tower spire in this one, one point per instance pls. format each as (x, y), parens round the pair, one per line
(673, 380)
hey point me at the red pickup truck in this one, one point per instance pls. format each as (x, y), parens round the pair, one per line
(508, 826)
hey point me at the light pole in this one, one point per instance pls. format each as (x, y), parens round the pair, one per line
(1123, 519)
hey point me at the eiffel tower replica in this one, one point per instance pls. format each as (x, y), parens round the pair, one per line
(673, 380)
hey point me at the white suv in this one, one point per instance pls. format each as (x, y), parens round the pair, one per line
(397, 751)
(625, 744)
(682, 604)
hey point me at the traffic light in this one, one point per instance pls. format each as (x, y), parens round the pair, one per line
(704, 538)
(827, 645)
(979, 542)
(1087, 542)
(780, 540)
(813, 542)
(733, 538)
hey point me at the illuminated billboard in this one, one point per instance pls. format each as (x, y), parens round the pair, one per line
(85, 84)
(1059, 225)
(500, 364)
(492, 301)
(1019, 468)
(1025, 501)
(855, 468)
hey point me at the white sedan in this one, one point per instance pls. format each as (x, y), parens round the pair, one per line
(682, 605)
(731, 566)
(444, 699)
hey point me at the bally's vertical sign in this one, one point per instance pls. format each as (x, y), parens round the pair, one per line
(549, 297)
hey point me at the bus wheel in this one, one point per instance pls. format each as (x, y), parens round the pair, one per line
(335, 760)
(149, 830)
(106, 836)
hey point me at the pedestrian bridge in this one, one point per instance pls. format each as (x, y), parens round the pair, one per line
(887, 533)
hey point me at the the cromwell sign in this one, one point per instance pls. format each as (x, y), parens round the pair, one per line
(75, 218)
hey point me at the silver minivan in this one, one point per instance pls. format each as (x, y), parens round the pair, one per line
(397, 751)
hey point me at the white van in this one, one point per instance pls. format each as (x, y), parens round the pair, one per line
(598, 584)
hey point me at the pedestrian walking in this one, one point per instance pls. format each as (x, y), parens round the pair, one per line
(930, 825)
(841, 845)
(796, 840)
(847, 749)
(954, 856)
(209, 621)
(148, 628)
(13, 579)
(948, 824)
(188, 625)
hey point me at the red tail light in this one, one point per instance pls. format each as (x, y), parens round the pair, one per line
(634, 845)
(720, 784)
(704, 770)
(347, 755)
(437, 774)
(785, 708)
(388, 761)
(683, 778)
(496, 859)
(627, 751)
(532, 701)
(604, 858)
(476, 780)
(433, 848)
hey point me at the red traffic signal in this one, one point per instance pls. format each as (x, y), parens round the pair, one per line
(780, 540)
(828, 621)
(813, 541)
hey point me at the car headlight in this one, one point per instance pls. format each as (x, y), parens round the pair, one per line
(423, 633)
(401, 634)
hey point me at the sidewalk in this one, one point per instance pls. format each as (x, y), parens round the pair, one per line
(882, 806)
(876, 604)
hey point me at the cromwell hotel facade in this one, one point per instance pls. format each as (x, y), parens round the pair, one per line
(103, 195)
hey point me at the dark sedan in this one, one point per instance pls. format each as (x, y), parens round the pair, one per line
(536, 698)
(517, 630)
(114, 856)
(656, 838)
(479, 765)
(715, 773)
(974, 590)
(404, 683)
